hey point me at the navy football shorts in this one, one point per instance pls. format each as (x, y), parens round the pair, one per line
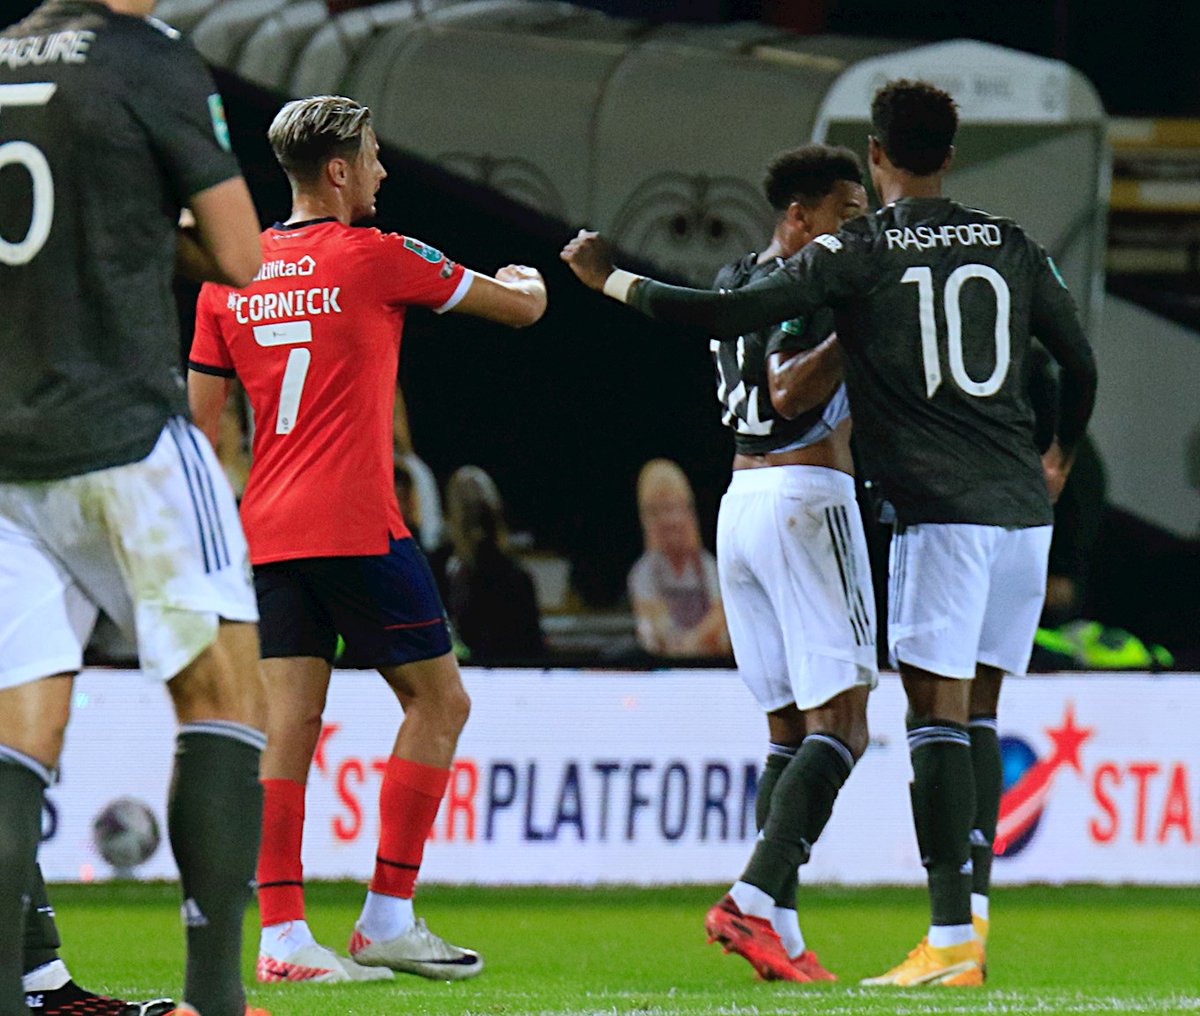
(385, 607)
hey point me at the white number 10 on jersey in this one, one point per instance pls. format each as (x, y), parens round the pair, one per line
(951, 298)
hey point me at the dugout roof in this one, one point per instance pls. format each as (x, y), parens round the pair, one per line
(658, 135)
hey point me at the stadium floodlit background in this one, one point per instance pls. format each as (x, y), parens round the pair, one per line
(596, 778)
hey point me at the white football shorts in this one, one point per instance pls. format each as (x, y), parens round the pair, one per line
(796, 584)
(156, 544)
(962, 594)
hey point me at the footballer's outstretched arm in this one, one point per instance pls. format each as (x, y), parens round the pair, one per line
(722, 313)
(516, 296)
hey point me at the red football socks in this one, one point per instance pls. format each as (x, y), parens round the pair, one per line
(280, 872)
(408, 805)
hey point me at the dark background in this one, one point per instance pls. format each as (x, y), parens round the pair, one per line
(564, 414)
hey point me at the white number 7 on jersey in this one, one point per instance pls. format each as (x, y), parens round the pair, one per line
(287, 333)
(923, 276)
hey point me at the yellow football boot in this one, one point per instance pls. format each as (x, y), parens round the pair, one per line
(950, 966)
(980, 924)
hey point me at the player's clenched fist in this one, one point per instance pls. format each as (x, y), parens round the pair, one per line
(519, 273)
(590, 257)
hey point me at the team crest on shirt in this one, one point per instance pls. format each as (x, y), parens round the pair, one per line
(830, 242)
(216, 112)
(430, 254)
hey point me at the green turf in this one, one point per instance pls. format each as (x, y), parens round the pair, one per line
(641, 952)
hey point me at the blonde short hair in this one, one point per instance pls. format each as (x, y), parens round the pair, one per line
(307, 133)
(662, 476)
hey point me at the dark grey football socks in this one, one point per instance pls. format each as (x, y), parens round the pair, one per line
(943, 797)
(778, 757)
(42, 941)
(214, 815)
(23, 782)
(989, 785)
(800, 807)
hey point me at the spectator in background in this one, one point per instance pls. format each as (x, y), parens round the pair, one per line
(673, 585)
(120, 128)
(489, 596)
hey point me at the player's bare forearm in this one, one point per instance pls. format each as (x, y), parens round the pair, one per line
(515, 297)
(804, 380)
(207, 394)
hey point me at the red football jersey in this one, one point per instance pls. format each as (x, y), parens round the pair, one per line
(315, 341)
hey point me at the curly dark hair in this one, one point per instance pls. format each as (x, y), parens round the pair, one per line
(808, 173)
(915, 122)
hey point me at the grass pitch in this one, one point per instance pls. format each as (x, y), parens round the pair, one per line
(641, 952)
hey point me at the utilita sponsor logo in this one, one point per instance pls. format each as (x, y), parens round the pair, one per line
(583, 800)
(280, 269)
(1139, 801)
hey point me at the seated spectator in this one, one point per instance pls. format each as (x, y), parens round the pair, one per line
(673, 586)
(488, 594)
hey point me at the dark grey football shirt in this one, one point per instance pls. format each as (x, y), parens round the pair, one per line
(935, 305)
(742, 386)
(110, 124)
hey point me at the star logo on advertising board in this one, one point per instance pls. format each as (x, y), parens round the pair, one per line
(1028, 780)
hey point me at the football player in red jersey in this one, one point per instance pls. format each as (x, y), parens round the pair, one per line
(315, 340)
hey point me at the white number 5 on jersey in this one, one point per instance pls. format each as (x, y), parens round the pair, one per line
(22, 153)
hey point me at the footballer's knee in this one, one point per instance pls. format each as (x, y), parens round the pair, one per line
(985, 691)
(458, 707)
(934, 695)
(223, 682)
(845, 717)
(787, 725)
(434, 688)
(449, 701)
(33, 717)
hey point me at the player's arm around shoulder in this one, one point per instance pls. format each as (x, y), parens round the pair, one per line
(800, 381)
(515, 296)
